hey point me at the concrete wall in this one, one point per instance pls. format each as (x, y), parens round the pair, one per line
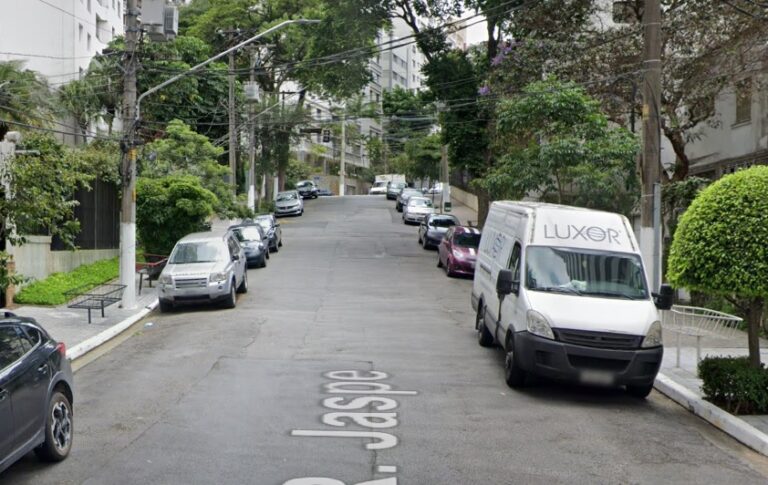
(469, 200)
(35, 259)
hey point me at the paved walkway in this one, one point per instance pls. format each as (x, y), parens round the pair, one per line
(685, 374)
(71, 326)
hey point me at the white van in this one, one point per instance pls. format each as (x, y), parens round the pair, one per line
(564, 291)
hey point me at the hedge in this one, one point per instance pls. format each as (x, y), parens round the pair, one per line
(50, 290)
(732, 384)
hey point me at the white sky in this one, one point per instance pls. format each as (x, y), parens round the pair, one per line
(476, 33)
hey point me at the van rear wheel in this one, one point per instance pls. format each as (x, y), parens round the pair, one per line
(484, 337)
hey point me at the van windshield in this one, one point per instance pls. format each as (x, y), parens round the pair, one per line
(584, 272)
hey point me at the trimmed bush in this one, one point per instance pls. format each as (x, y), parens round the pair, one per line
(734, 385)
(50, 291)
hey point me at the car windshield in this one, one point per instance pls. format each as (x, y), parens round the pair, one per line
(286, 196)
(467, 240)
(379, 184)
(419, 202)
(443, 222)
(250, 233)
(397, 186)
(584, 272)
(197, 252)
(265, 223)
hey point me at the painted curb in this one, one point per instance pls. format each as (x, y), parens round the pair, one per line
(734, 426)
(92, 343)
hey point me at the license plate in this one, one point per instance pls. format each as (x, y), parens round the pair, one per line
(597, 377)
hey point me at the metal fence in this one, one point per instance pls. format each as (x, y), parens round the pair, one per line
(699, 322)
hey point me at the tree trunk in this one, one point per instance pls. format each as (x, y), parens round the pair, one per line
(682, 162)
(483, 205)
(754, 318)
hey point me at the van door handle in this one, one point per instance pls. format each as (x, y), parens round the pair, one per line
(3, 395)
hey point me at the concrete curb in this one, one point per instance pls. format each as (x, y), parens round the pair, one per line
(734, 426)
(100, 339)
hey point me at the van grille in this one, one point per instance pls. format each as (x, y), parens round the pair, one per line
(191, 283)
(601, 340)
(596, 363)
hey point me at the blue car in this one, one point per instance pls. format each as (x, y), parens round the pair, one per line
(36, 392)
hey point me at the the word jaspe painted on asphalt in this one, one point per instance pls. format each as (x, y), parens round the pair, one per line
(366, 392)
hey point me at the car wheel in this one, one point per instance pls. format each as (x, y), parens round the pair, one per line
(231, 300)
(439, 261)
(269, 250)
(58, 429)
(514, 376)
(424, 244)
(484, 337)
(419, 237)
(243, 288)
(276, 248)
(449, 269)
(279, 243)
(640, 392)
(165, 306)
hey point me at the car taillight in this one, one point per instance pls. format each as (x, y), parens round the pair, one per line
(61, 348)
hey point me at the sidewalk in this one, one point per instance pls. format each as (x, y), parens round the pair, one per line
(71, 326)
(682, 384)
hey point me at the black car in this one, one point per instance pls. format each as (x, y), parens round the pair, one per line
(393, 189)
(255, 242)
(35, 392)
(434, 227)
(269, 223)
(307, 189)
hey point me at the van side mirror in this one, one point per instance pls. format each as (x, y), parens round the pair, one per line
(505, 283)
(663, 299)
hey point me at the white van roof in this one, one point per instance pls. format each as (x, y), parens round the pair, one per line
(578, 227)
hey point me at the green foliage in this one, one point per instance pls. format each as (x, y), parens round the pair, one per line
(734, 385)
(42, 202)
(50, 291)
(169, 208)
(719, 246)
(24, 96)
(421, 158)
(6, 278)
(80, 100)
(182, 151)
(296, 172)
(554, 140)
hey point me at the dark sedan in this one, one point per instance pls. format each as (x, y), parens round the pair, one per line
(35, 392)
(394, 189)
(269, 223)
(254, 241)
(404, 195)
(433, 228)
(307, 189)
(457, 251)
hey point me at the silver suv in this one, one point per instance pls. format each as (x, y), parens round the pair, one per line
(203, 268)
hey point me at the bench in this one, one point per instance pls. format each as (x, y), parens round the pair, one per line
(100, 297)
(151, 268)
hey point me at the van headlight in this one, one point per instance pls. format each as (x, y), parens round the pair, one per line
(165, 279)
(218, 277)
(653, 337)
(538, 325)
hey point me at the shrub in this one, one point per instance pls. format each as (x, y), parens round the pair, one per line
(50, 291)
(734, 385)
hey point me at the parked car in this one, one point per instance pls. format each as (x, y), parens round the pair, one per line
(563, 290)
(36, 392)
(402, 197)
(269, 223)
(433, 228)
(254, 241)
(324, 192)
(417, 209)
(394, 189)
(378, 188)
(203, 268)
(437, 188)
(307, 189)
(289, 203)
(457, 252)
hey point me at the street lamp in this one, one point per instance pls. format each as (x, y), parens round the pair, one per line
(128, 230)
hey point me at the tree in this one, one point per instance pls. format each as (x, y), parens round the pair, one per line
(185, 152)
(24, 97)
(719, 246)
(42, 183)
(169, 208)
(78, 98)
(554, 141)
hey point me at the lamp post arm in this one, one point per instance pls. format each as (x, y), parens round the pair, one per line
(214, 58)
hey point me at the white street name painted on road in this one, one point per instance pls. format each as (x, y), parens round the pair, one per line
(373, 397)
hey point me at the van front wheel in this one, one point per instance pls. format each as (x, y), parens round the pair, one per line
(513, 375)
(484, 337)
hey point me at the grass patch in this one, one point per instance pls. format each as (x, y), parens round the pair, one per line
(50, 291)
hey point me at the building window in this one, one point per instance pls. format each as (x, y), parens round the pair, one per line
(318, 113)
(378, 97)
(89, 43)
(80, 32)
(744, 101)
(118, 7)
(89, 5)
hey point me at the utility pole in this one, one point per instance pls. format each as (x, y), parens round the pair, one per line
(342, 163)
(128, 162)
(650, 236)
(232, 123)
(252, 197)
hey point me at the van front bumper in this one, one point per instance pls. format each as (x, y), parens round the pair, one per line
(588, 365)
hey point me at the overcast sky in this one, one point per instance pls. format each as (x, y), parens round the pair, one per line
(476, 33)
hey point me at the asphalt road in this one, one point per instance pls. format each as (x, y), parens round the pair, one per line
(353, 313)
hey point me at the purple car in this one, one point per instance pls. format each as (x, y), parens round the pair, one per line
(457, 251)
